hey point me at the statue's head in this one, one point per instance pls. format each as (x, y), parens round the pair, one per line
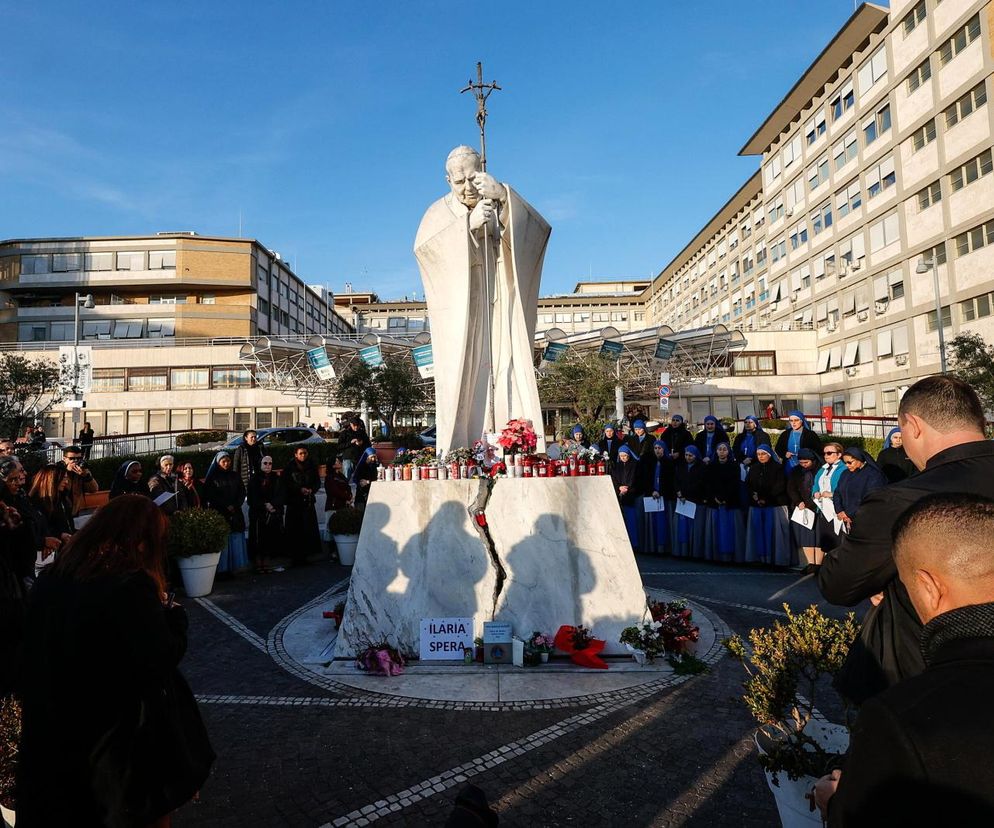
(460, 167)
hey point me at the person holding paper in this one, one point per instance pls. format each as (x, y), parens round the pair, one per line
(768, 533)
(725, 527)
(688, 532)
(860, 478)
(800, 484)
(656, 486)
(164, 482)
(623, 475)
(610, 443)
(639, 441)
(823, 494)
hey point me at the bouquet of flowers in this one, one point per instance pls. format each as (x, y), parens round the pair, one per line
(541, 642)
(645, 639)
(382, 659)
(484, 454)
(459, 455)
(518, 436)
(676, 628)
(423, 457)
(582, 647)
(401, 458)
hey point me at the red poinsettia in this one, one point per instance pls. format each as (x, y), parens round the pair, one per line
(518, 435)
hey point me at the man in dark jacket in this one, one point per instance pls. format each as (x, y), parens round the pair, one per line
(247, 458)
(942, 422)
(920, 751)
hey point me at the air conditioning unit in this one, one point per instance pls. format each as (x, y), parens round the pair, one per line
(862, 316)
(832, 326)
(851, 371)
(774, 305)
(789, 212)
(880, 307)
(901, 359)
(793, 297)
(856, 265)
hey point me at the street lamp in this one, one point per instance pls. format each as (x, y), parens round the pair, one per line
(924, 266)
(86, 301)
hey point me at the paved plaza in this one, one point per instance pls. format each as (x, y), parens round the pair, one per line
(297, 748)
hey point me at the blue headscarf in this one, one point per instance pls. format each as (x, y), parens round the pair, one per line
(891, 433)
(369, 452)
(692, 449)
(766, 447)
(677, 417)
(794, 438)
(610, 426)
(660, 443)
(639, 424)
(711, 419)
(577, 429)
(625, 450)
(801, 417)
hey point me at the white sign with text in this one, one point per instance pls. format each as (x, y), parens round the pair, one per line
(445, 639)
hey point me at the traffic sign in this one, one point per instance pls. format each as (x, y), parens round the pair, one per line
(664, 391)
(664, 403)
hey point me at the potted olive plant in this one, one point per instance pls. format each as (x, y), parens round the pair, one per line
(344, 526)
(196, 538)
(788, 664)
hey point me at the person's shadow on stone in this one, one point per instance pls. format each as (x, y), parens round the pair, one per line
(547, 577)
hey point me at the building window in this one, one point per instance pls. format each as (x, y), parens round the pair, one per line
(208, 299)
(130, 261)
(848, 199)
(147, 379)
(396, 322)
(932, 194)
(843, 101)
(107, 380)
(947, 319)
(845, 150)
(755, 364)
(914, 17)
(815, 128)
(880, 178)
(974, 239)
(935, 254)
(639, 317)
(873, 70)
(919, 75)
(161, 259)
(884, 232)
(799, 235)
(876, 126)
(98, 261)
(167, 299)
(959, 41)
(563, 318)
(61, 331)
(972, 170)
(35, 264)
(602, 317)
(923, 136)
(821, 219)
(231, 376)
(974, 99)
(818, 173)
(619, 316)
(66, 262)
(186, 379)
(128, 328)
(158, 328)
(776, 210)
(976, 308)
(548, 318)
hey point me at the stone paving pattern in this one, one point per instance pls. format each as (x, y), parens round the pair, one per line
(682, 756)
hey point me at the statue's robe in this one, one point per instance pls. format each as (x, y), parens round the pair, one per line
(451, 260)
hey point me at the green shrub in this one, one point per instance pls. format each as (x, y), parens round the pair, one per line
(197, 532)
(347, 521)
(196, 438)
(10, 735)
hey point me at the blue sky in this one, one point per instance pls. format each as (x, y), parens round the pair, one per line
(326, 124)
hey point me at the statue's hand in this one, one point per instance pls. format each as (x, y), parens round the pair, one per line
(489, 187)
(482, 213)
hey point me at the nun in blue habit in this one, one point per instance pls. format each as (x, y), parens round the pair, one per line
(797, 435)
(656, 481)
(768, 532)
(725, 534)
(689, 534)
(225, 493)
(624, 478)
(710, 437)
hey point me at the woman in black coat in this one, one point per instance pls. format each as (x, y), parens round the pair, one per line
(798, 435)
(893, 460)
(111, 732)
(265, 503)
(725, 538)
(800, 483)
(677, 437)
(624, 476)
(655, 480)
(300, 481)
(352, 442)
(748, 440)
(609, 444)
(768, 532)
(860, 478)
(224, 493)
(688, 480)
(128, 480)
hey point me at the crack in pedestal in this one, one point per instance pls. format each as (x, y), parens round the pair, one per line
(479, 507)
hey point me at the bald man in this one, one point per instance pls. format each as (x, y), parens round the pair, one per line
(921, 751)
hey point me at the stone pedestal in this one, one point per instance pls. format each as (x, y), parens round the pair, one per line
(561, 542)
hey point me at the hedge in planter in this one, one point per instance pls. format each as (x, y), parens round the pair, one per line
(347, 521)
(197, 532)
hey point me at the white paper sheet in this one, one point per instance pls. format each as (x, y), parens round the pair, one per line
(653, 504)
(687, 508)
(827, 509)
(165, 497)
(805, 517)
(840, 527)
(743, 472)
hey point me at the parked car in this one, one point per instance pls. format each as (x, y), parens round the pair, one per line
(284, 436)
(427, 437)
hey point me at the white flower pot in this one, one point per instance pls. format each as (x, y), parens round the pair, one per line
(637, 654)
(789, 795)
(346, 545)
(8, 816)
(198, 573)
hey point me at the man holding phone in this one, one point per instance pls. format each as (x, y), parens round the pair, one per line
(81, 481)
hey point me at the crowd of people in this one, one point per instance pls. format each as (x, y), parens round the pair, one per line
(750, 499)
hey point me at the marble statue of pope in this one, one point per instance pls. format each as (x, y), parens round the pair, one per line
(450, 249)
